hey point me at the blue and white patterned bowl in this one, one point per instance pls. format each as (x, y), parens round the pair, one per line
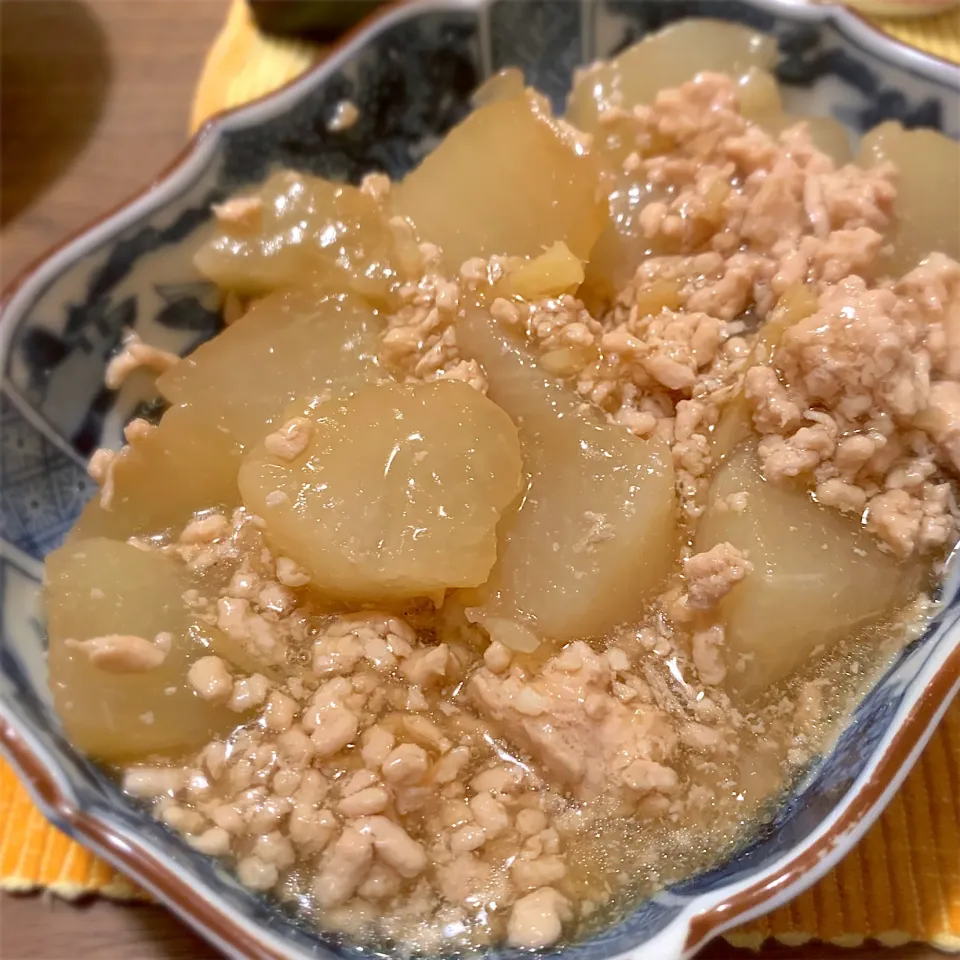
(411, 72)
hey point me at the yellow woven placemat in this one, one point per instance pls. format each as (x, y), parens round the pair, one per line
(900, 884)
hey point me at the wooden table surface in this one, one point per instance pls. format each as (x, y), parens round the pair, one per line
(95, 100)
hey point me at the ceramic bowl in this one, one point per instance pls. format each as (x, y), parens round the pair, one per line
(411, 72)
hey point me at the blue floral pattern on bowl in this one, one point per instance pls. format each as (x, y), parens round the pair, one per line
(411, 74)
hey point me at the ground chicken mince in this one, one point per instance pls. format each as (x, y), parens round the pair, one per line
(535, 520)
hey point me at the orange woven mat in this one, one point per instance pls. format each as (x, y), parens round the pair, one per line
(900, 884)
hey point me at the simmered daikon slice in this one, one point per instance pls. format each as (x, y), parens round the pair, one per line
(759, 95)
(136, 701)
(505, 181)
(817, 575)
(928, 191)
(595, 533)
(667, 59)
(392, 493)
(156, 484)
(297, 229)
(555, 272)
(300, 343)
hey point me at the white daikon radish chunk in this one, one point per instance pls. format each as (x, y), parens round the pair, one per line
(817, 575)
(300, 343)
(667, 59)
(928, 191)
(392, 493)
(100, 588)
(596, 532)
(505, 181)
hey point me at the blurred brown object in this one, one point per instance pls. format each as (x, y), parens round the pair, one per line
(322, 20)
(47, 118)
(95, 103)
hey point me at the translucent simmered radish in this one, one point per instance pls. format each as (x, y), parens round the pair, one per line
(667, 59)
(186, 464)
(555, 272)
(395, 493)
(297, 227)
(817, 575)
(506, 84)
(503, 182)
(596, 532)
(97, 588)
(621, 245)
(759, 96)
(227, 395)
(928, 191)
(300, 343)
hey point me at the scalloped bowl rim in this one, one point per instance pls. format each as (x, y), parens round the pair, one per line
(925, 701)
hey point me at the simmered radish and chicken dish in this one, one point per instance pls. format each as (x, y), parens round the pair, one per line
(535, 520)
